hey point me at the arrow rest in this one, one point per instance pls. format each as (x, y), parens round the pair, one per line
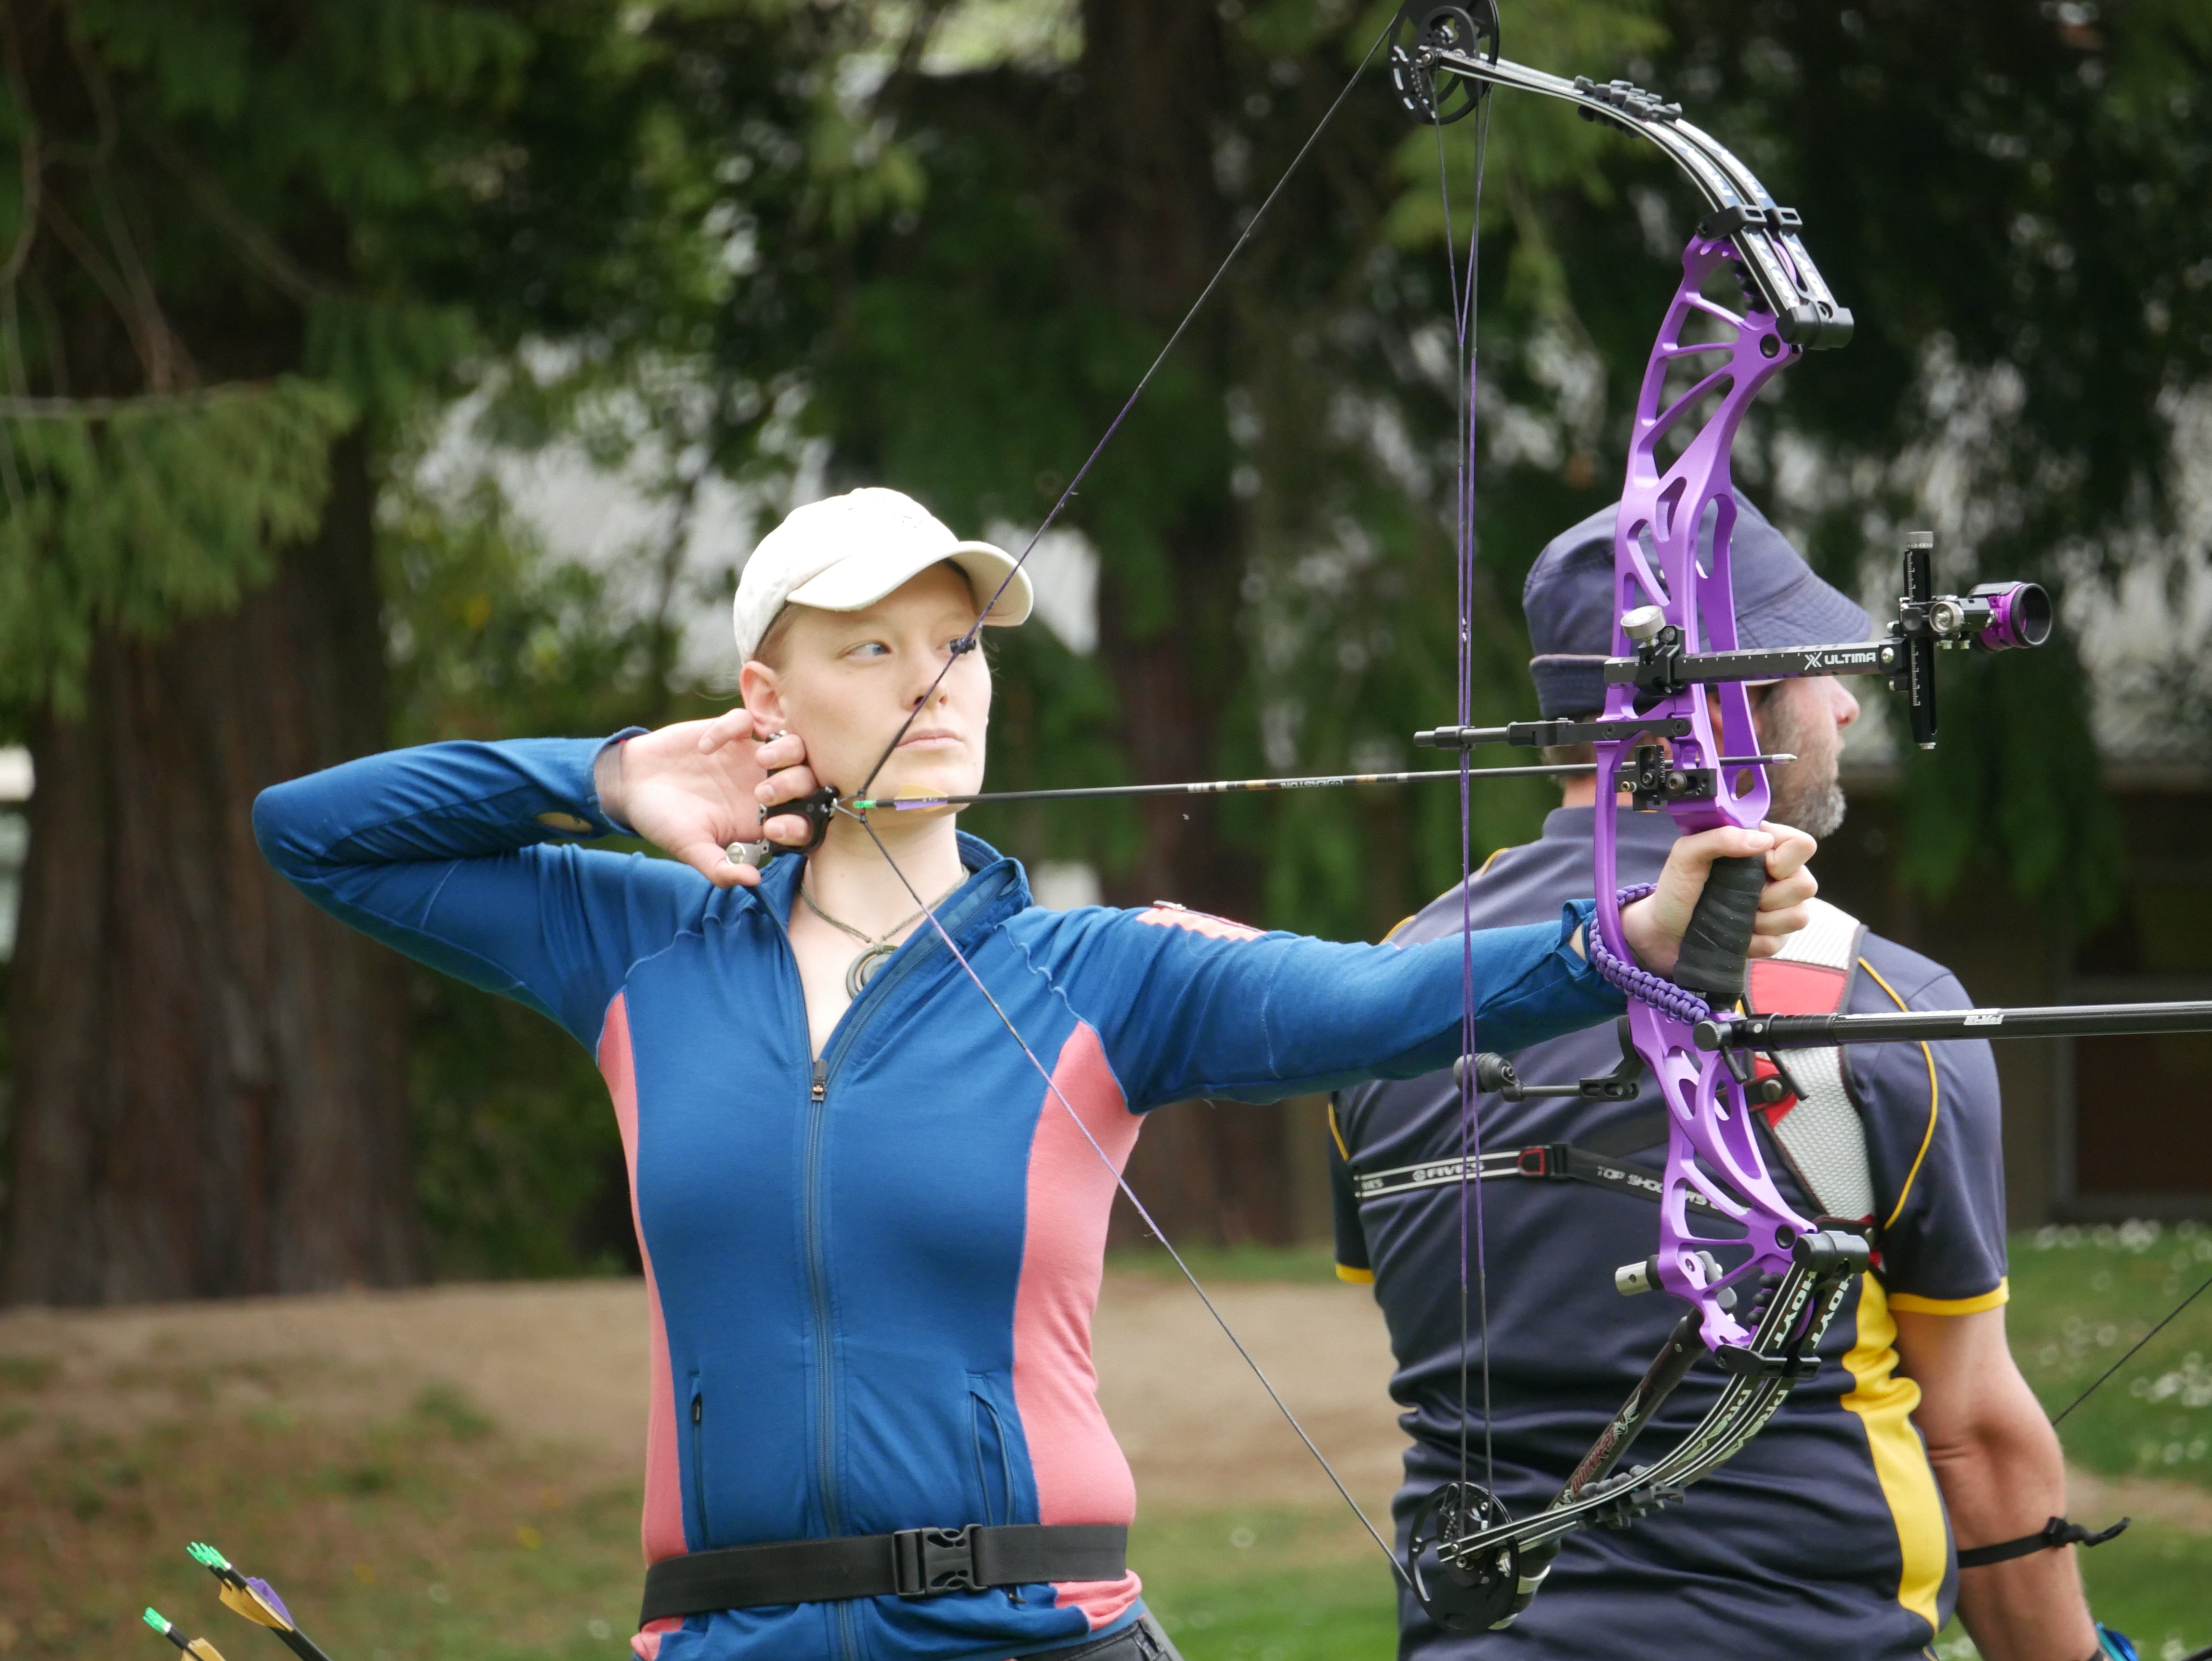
(1424, 29)
(1460, 1595)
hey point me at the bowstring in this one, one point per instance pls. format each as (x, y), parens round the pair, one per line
(1462, 297)
(1122, 1183)
(1466, 812)
(967, 641)
(2059, 1418)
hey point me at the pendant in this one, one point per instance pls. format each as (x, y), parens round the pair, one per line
(858, 972)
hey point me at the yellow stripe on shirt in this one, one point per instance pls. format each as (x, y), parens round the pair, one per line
(1934, 1101)
(1884, 1401)
(1913, 1304)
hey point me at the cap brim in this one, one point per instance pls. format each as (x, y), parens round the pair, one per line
(852, 584)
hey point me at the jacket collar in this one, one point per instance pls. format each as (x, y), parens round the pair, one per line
(996, 888)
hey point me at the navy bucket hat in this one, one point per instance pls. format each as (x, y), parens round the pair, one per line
(1568, 600)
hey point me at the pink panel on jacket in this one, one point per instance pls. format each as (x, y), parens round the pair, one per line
(1081, 1474)
(1166, 914)
(662, 1531)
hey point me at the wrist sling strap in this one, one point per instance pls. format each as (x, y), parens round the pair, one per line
(2055, 1533)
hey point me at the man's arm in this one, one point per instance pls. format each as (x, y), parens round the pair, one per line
(1998, 1464)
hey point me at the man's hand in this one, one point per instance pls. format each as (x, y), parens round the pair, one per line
(1655, 925)
(692, 788)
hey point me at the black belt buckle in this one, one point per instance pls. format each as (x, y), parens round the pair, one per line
(930, 1562)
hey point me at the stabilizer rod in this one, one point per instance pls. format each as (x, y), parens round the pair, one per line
(2065, 1020)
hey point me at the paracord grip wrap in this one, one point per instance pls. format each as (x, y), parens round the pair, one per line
(1639, 982)
(1719, 939)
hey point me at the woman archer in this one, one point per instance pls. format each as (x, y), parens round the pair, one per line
(873, 1235)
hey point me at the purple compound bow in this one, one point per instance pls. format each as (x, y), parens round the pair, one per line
(1762, 1282)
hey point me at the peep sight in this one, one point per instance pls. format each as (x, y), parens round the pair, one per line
(1996, 617)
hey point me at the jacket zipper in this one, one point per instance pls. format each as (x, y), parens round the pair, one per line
(699, 1461)
(817, 1287)
(841, 1038)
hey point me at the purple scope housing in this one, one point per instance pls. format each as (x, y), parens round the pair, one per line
(2020, 614)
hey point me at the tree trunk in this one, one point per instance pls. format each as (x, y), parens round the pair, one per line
(1155, 83)
(210, 1092)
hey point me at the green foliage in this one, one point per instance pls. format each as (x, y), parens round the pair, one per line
(1052, 727)
(227, 231)
(2000, 796)
(491, 638)
(519, 1166)
(979, 349)
(131, 517)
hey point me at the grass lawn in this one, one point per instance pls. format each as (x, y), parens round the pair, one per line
(1303, 1265)
(2080, 1297)
(1268, 1586)
(431, 1536)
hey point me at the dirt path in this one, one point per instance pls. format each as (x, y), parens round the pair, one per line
(565, 1362)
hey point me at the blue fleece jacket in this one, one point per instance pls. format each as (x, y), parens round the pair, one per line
(872, 1272)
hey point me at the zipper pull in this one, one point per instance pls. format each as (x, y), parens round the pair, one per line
(698, 1406)
(821, 1091)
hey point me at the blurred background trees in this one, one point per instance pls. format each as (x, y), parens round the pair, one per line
(322, 325)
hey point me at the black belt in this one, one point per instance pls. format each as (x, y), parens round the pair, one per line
(911, 1563)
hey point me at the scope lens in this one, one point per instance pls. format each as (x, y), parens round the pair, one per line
(2021, 614)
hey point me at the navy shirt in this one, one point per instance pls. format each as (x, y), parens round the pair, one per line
(1825, 1537)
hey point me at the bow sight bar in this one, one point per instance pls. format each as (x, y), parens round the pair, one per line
(1996, 617)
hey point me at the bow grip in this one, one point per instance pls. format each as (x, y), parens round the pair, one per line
(1718, 939)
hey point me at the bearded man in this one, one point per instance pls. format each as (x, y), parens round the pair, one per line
(1848, 1529)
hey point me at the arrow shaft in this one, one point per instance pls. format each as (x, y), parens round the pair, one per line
(1220, 787)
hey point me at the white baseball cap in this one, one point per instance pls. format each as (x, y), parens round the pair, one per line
(845, 552)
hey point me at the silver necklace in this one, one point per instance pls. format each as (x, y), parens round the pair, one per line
(875, 948)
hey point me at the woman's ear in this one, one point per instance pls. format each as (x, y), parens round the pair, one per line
(757, 688)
